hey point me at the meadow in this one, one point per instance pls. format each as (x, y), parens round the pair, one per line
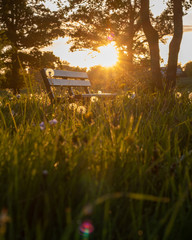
(107, 170)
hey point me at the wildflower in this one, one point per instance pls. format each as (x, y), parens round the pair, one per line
(42, 126)
(81, 109)
(53, 122)
(177, 94)
(94, 99)
(49, 72)
(190, 96)
(132, 95)
(72, 106)
(18, 96)
(1, 104)
(99, 92)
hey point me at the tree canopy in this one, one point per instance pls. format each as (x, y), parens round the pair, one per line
(96, 23)
(26, 24)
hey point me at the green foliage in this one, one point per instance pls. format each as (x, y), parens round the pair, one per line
(36, 59)
(188, 69)
(124, 167)
(26, 25)
(94, 23)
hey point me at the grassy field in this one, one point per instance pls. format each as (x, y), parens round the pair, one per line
(110, 170)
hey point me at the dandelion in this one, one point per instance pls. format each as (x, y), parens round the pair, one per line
(81, 109)
(18, 96)
(49, 72)
(190, 96)
(99, 92)
(72, 106)
(131, 95)
(53, 122)
(42, 126)
(94, 99)
(177, 94)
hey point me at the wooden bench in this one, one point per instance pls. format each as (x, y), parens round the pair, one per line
(69, 79)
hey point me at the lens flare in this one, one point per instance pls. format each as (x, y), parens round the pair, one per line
(86, 227)
(111, 36)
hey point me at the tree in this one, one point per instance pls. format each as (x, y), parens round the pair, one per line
(153, 40)
(174, 46)
(37, 59)
(27, 24)
(175, 9)
(99, 22)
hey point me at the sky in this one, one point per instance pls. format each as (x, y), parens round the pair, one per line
(108, 55)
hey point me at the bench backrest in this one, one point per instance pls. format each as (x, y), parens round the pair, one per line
(60, 78)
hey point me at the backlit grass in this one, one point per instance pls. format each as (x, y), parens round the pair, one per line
(120, 169)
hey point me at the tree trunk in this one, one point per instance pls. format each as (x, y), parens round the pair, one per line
(15, 77)
(153, 40)
(130, 39)
(174, 46)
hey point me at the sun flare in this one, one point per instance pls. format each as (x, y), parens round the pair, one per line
(107, 56)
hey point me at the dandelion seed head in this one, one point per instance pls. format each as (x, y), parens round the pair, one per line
(131, 95)
(49, 72)
(99, 92)
(178, 94)
(81, 109)
(94, 99)
(18, 96)
(53, 122)
(72, 106)
(190, 96)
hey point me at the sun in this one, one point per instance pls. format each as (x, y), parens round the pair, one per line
(108, 55)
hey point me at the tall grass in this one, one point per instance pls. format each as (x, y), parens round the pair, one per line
(120, 171)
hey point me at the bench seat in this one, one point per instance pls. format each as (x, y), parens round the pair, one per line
(71, 80)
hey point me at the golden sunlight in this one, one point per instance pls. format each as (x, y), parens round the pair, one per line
(108, 55)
